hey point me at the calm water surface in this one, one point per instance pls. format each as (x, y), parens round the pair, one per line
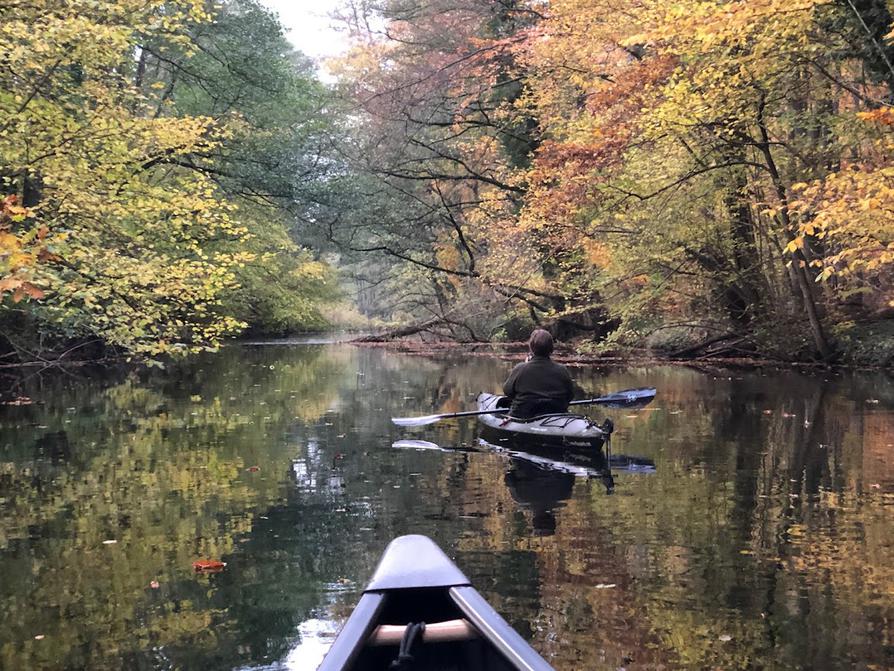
(762, 540)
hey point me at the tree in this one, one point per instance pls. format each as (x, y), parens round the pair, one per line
(436, 156)
(148, 175)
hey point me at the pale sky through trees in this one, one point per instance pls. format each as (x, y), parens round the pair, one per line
(309, 27)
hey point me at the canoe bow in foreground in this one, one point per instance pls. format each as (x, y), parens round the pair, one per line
(416, 582)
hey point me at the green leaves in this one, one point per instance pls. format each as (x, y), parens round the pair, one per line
(144, 139)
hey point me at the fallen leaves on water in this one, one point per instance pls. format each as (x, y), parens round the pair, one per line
(208, 566)
(19, 400)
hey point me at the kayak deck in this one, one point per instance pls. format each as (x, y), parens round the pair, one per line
(568, 431)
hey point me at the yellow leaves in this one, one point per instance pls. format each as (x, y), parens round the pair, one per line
(133, 265)
(853, 212)
(795, 244)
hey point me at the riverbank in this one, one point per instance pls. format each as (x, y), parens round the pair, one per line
(569, 355)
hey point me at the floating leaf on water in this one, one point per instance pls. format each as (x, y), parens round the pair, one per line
(208, 566)
(724, 638)
(111, 541)
(39, 637)
(19, 400)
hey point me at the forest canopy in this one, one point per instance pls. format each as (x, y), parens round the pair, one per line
(698, 176)
(674, 173)
(151, 157)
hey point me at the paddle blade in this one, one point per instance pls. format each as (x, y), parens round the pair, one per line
(416, 445)
(628, 398)
(416, 421)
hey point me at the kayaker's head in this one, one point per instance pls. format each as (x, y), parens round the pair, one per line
(540, 343)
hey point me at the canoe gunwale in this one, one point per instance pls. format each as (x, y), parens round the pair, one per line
(355, 633)
(497, 631)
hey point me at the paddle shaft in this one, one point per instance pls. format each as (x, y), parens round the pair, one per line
(618, 397)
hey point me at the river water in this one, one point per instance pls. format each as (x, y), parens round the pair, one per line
(762, 539)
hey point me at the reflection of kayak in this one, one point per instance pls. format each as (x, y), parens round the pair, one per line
(551, 459)
(416, 582)
(571, 433)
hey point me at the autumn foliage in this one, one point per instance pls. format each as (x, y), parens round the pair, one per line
(691, 169)
(122, 222)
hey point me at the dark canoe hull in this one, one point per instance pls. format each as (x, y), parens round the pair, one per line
(559, 436)
(416, 582)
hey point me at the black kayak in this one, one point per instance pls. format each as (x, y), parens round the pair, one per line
(416, 583)
(564, 432)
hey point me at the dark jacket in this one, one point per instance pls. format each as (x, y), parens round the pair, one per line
(537, 387)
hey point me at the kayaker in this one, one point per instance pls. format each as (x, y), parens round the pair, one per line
(539, 385)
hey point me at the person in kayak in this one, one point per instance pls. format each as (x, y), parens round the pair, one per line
(539, 385)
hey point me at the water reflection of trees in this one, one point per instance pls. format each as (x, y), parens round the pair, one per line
(763, 522)
(159, 464)
(761, 527)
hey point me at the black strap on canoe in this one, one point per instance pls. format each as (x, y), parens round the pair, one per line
(404, 660)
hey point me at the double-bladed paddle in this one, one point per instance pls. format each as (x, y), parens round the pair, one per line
(619, 399)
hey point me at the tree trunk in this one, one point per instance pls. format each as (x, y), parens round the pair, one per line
(799, 265)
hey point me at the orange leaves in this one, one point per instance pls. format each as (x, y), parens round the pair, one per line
(208, 566)
(10, 210)
(20, 289)
(19, 252)
(882, 115)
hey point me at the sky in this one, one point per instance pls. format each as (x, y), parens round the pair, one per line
(308, 27)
